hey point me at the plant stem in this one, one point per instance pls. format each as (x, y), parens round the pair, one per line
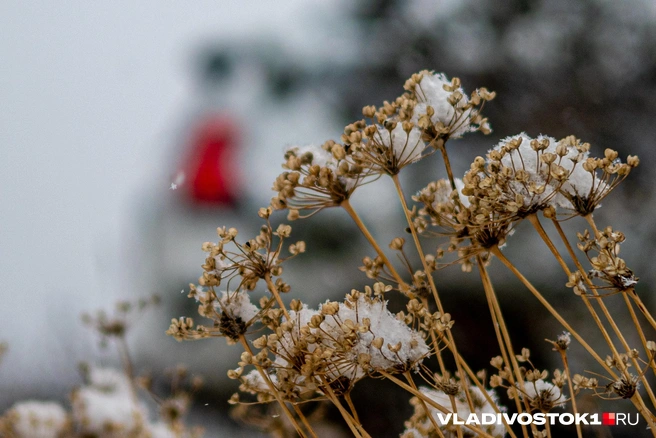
(632, 293)
(492, 403)
(551, 310)
(272, 388)
(351, 406)
(441, 145)
(346, 205)
(636, 399)
(431, 281)
(545, 237)
(128, 367)
(408, 377)
(563, 356)
(503, 337)
(304, 420)
(355, 426)
(643, 339)
(429, 401)
(274, 291)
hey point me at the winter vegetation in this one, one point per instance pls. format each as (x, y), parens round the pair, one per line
(297, 360)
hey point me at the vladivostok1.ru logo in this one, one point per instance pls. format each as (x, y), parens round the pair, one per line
(541, 419)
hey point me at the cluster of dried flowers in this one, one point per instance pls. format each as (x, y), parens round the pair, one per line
(318, 355)
(109, 404)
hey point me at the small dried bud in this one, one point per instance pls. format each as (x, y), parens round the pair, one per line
(397, 243)
(632, 161)
(264, 213)
(377, 343)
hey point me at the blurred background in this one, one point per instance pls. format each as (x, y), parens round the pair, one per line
(128, 133)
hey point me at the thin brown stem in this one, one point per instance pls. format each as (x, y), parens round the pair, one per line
(636, 399)
(355, 426)
(563, 237)
(617, 331)
(551, 310)
(273, 389)
(411, 382)
(492, 403)
(346, 205)
(128, 367)
(436, 345)
(441, 145)
(454, 408)
(431, 281)
(351, 406)
(572, 395)
(548, 429)
(643, 339)
(643, 309)
(547, 240)
(429, 401)
(503, 337)
(274, 291)
(304, 420)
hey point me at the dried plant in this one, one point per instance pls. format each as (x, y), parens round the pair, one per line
(300, 358)
(110, 403)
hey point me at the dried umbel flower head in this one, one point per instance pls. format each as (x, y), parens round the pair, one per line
(442, 206)
(602, 252)
(106, 406)
(35, 419)
(541, 395)
(471, 223)
(420, 425)
(521, 176)
(256, 259)
(624, 387)
(334, 346)
(316, 178)
(232, 311)
(116, 325)
(590, 179)
(388, 148)
(442, 109)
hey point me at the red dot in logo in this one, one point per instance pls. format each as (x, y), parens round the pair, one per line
(608, 419)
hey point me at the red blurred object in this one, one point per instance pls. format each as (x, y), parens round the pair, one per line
(211, 168)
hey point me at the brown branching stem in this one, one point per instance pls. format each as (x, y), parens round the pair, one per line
(503, 337)
(431, 281)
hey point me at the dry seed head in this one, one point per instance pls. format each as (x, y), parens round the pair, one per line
(397, 243)
(377, 343)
